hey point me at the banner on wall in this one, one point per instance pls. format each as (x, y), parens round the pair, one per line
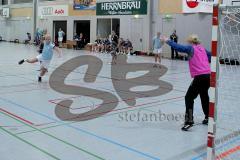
(55, 10)
(84, 4)
(197, 6)
(133, 7)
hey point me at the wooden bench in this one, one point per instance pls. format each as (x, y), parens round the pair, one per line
(64, 45)
(71, 44)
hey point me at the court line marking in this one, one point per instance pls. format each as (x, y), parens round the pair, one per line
(228, 152)
(54, 137)
(33, 89)
(29, 143)
(65, 98)
(218, 148)
(16, 116)
(85, 132)
(178, 73)
(143, 108)
(125, 108)
(47, 123)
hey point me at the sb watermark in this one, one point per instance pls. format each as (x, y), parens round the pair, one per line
(121, 84)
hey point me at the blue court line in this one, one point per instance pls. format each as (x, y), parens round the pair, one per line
(82, 131)
(217, 148)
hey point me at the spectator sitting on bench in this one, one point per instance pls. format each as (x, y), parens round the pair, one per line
(81, 42)
(98, 45)
(127, 47)
(106, 45)
(76, 37)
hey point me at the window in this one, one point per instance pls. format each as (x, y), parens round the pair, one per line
(4, 2)
(22, 1)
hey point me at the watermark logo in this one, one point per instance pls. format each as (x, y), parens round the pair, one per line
(143, 116)
(119, 80)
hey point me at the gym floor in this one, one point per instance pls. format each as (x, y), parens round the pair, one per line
(30, 129)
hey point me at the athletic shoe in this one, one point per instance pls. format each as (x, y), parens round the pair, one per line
(205, 121)
(39, 79)
(187, 126)
(21, 62)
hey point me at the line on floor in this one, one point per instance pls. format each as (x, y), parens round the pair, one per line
(143, 108)
(47, 123)
(218, 148)
(85, 132)
(27, 142)
(65, 142)
(228, 152)
(34, 89)
(112, 78)
(125, 108)
(16, 116)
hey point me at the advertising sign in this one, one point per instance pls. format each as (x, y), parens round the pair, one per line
(134, 7)
(56, 10)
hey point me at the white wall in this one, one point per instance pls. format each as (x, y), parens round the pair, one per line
(15, 29)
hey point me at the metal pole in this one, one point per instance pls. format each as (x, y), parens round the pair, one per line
(35, 7)
(150, 20)
(213, 83)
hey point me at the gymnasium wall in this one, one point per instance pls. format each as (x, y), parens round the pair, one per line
(169, 6)
(21, 12)
(125, 26)
(185, 24)
(17, 25)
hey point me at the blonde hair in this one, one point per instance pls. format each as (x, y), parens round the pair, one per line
(193, 38)
(47, 37)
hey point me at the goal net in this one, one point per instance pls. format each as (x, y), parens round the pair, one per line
(227, 141)
(227, 110)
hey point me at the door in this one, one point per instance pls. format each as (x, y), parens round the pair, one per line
(137, 34)
(116, 26)
(83, 27)
(168, 26)
(56, 26)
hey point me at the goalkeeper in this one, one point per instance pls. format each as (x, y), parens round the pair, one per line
(199, 59)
